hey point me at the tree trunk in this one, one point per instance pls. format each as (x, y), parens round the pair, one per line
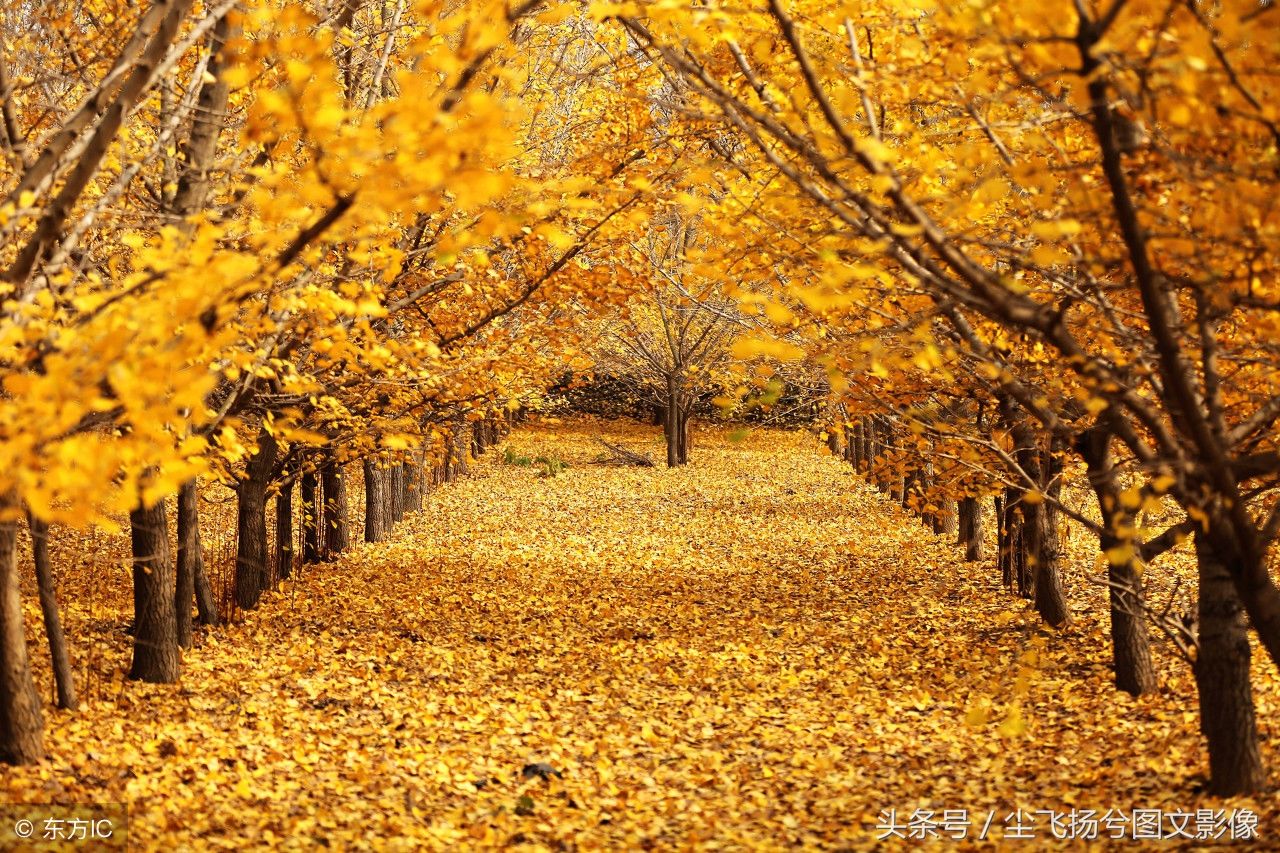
(374, 501)
(336, 532)
(926, 498)
(1130, 645)
(155, 630)
(1014, 568)
(188, 554)
(64, 681)
(21, 723)
(671, 425)
(284, 530)
(251, 524)
(417, 481)
(1044, 545)
(970, 528)
(1222, 680)
(397, 487)
(944, 518)
(311, 510)
(461, 446)
(873, 452)
(682, 434)
(206, 602)
(1044, 550)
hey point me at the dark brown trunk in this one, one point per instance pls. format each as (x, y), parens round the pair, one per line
(284, 530)
(1130, 644)
(1044, 545)
(417, 482)
(868, 450)
(1222, 681)
(969, 522)
(188, 553)
(397, 489)
(156, 656)
(1014, 569)
(21, 723)
(63, 680)
(336, 532)
(671, 424)
(206, 602)
(374, 501)
(944, 517)
(251, 524)
(461, 446)
(1044, 552)
(682, 436)
(311, 510)
(1131, 648)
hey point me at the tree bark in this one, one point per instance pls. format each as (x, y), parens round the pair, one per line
(336, 529)
(970, 528)
(251, 523)
(675, 424)
(21, 723)
(156, 658)
(670, 428)
(867, 450)
(206, 602)
(417, 481)
(284, 530)
(1044, 545)
(188, 555)
(1044, 548)
(1130, 644)
(374, 501)
(682, 434)
(1013, 563)
(461, 448)
(206, 125)
(396, 491)
(1222, 681)
(944, 518)
(64, 681)
(311, 510)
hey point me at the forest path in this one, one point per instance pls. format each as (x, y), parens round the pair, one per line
(755, 651)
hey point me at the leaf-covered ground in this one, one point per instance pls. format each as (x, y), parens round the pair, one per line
(758, 651)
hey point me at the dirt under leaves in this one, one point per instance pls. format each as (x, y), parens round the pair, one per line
(756, 651)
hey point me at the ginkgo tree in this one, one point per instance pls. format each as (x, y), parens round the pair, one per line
(214, 237)
(1096, 176)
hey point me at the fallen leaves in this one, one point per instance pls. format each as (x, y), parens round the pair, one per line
(754, 651)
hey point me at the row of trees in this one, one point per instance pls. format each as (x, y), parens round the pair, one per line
(260, 248)
(1028, 241)
(1025, 246)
